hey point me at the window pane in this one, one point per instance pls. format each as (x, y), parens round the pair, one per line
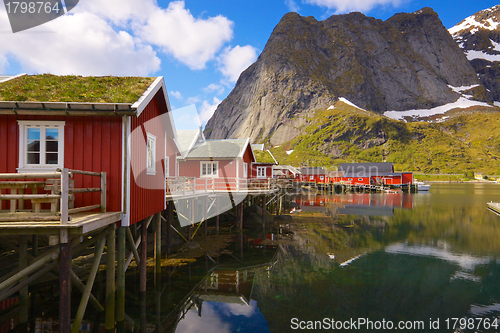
(51, 146)
(33, 134)
(34, 146)
(33, 158)
(52, 134)
(214, 169)
(51, 158)
(203, 169)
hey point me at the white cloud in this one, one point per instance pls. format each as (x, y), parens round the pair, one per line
(190, 40)
(235, 60)
(80, 43)
(176, 94)
(207, 109)
(292, 5)
(345, 6)
(193, 100)
(115, 37)
(217, 88)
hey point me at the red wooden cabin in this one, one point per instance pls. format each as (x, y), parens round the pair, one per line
(312, 174)
(262, 168)
(120, 134)
(372, 174)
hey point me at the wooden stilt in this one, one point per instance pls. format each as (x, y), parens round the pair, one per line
(170, 209)
(205, 207)
(110, 280)
(88, 287)
(144, 249)
(34, 247)
(64, 287)
(23, 293)
(263, 217)
(157, 246)
(120, 279)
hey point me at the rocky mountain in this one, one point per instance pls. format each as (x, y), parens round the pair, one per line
(409, 61)
(479, 37)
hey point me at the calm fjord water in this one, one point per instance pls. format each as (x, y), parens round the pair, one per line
(417, 259)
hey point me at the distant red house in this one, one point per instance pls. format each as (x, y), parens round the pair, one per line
(262, 168)
(313, 175)
(130, 141)
(371, 174)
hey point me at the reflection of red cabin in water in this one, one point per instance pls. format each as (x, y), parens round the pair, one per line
(364, 199)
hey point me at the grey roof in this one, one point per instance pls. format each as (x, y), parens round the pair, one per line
(313, 171)
(185, 139)
(366, 167)
(228, 148)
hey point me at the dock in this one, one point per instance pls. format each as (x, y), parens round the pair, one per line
(494, 206)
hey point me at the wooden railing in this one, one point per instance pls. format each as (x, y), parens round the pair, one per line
(193, 185)
(61, 196)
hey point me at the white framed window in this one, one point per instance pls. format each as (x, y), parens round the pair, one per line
(321, 177)
(209, 169)
(311, 177)
(245, 170)
(41, 145)
(151, 154)
(360, 179)
(261, 172)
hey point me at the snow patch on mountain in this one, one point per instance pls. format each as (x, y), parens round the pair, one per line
(462, 102)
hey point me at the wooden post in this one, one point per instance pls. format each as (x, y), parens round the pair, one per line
(109, 311)
(88, 287)
(103, 192)
(23, 293)
(169, 223)
(13, 202)
(34, 247)
(120, 279)
(263, 217)
(205, 213)
(157, 246)
(143, 263)
(65, 287)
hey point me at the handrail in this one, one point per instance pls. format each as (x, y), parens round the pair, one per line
(64, 194)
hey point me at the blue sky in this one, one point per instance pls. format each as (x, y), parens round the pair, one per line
(199, 46)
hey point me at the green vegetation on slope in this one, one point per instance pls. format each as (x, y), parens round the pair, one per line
(469, 141)
(70, 88)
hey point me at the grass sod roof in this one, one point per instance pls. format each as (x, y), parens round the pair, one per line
(263, 156)
(71, 88)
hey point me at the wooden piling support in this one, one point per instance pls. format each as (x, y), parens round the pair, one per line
(143, 263)
(205, 207)
(65, 287)
(34, 246)
(109, 312)
(170, 208)
(88, 287)
(263, 217)
(23, 293)
(157, 245)
(120, 279)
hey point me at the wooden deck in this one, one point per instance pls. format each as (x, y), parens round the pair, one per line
(189, 187)
(494, 206)
(80, 224)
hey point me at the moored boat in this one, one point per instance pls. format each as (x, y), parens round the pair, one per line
(421, 186)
